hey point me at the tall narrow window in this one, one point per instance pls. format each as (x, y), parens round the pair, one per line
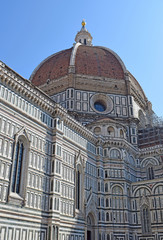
(107, 216)
(78, 190)
(49, 238)
(106, 187)
(19, 171)
(107, 202)
(56, 233)
(16, 178)
(51, 203)
(51, 188)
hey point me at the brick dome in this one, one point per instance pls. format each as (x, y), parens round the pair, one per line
(53, 67)
(87, 60)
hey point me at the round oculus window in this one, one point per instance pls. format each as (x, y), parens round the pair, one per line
(101, 103)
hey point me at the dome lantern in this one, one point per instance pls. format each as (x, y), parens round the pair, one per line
(84, 37)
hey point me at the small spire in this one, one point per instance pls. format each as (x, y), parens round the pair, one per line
(84, 37)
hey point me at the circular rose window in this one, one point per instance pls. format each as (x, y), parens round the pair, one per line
(101, 103)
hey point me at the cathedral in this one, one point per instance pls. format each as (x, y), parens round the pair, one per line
(81, 155)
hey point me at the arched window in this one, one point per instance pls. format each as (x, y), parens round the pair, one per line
(17, 167)
(111, 132)
(79, 184)
(145, 216)
(115, 154)
(97, 130)
(121, 133)
(107, 216)
(117, 197)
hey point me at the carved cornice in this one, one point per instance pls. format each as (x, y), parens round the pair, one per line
(151, 150)
(25, 88)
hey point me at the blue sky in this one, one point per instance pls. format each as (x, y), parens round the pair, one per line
(32, 30)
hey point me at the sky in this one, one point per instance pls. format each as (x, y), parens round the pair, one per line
(33, 30)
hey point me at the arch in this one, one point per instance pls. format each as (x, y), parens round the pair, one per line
(111, 131)
(90, 226)
(117, 197)
(149, 161)
(97, 130)
(141, 187)
(115, 153)
(91, 217)
(155, 187)
(117, 189)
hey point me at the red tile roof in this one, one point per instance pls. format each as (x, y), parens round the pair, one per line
(94, 61)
